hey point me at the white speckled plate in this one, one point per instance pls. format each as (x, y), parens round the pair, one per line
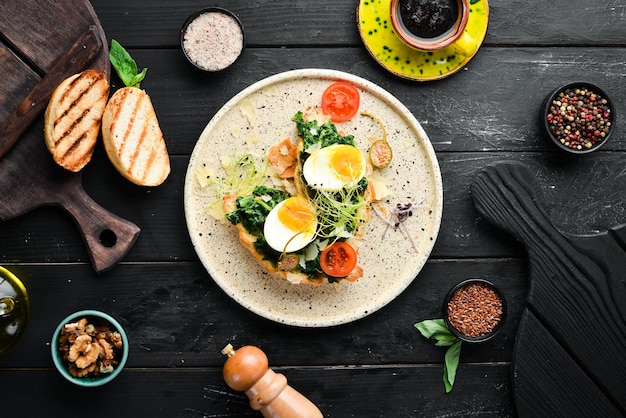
(390, 263)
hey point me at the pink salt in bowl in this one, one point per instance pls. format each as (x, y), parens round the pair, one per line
(212, 39)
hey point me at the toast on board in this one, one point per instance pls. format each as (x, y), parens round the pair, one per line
(73, 117)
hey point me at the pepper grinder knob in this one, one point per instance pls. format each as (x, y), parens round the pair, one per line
(247, 370)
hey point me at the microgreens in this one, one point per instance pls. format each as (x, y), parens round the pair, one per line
(243, 175)
(338, 213)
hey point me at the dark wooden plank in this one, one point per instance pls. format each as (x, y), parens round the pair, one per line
(485, 107)
(201, 392)
(299, 21)
(280, 23)
(176, 316)
(159, 212)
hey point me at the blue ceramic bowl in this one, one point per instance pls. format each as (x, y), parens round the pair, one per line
(61, 365)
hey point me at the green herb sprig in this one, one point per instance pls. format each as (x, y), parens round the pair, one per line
(125, 66)
(437, 330)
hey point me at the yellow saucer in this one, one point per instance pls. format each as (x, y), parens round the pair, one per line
(384, 45)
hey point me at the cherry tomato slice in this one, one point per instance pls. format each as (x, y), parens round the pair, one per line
(340, 101)
(338, 259)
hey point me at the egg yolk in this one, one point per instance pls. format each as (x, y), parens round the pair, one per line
(347, 163)
(297, 214)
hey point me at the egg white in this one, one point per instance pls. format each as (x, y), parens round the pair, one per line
(281, 237)
(319, 172)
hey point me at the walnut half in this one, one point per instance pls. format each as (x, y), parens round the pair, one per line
(90, 349)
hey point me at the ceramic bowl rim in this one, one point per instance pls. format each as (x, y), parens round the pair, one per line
(212, 9)
(62, 367)
(416, 42)
(545, 105)
(459, 334)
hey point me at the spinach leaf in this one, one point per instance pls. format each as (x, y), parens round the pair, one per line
(326, 134)
(125, 66)
(313, 269)
(262, 247)
(252, 210)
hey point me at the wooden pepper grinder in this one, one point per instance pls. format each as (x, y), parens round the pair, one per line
(247, 370)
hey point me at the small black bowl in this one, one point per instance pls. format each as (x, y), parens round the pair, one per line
(461, 335)
(212, 53)
(573, 144)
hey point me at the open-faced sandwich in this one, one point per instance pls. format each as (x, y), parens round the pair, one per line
(309, 234)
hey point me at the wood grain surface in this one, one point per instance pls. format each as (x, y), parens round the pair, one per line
(178, 319)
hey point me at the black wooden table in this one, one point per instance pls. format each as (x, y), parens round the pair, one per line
(178, 319)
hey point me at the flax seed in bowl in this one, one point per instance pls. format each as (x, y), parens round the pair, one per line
(212, 39)
(474, 310)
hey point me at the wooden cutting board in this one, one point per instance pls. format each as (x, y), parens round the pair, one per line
(34, 34)
(570, 350)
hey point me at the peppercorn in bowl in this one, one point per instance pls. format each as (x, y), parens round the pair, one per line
(578, 117)
(474, 310)
(89, 348)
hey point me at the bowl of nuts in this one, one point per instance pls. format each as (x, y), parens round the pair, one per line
(578, 117)
(474, 310)
(89, 348)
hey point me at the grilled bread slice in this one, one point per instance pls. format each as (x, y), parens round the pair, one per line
(133, 139)
(73, 117)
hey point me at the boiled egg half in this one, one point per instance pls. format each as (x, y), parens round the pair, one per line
(334, 167)
(290, 225)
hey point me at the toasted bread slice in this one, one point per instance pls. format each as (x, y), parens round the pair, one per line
(133, 139)
(73, 116)
(247, 239)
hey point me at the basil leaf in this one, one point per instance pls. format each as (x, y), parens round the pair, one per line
(125, 66)
(431, 327)
(445, 340)
(138, 78)
(446, 382)
(437, 330)
(451, 364)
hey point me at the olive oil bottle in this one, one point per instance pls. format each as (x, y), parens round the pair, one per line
(14, 310)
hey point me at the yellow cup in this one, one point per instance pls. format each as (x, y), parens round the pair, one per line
(409, 29)
(465, 45)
